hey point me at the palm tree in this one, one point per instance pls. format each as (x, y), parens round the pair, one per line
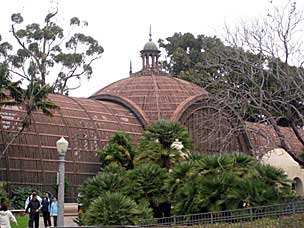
(228, 181)
(146, 182)
(119, 151)
(114, 208)
(101, 183)
(9, 91)
(157, 141)
(33, 98)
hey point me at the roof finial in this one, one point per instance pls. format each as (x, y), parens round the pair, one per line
(130, 72)
(150, 34)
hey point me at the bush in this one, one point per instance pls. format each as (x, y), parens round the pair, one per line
(229, 181)
(119, 151)
(116, 209)
(155, 145)
(146, 182)
(98, 185)
(19, 196)
(3, 196)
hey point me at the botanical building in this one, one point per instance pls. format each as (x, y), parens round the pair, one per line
(128, 105)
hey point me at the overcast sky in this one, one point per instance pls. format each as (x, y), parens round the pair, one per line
(122, 26)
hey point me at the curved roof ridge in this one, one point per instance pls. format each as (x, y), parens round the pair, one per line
(158, 96)
(156, 89)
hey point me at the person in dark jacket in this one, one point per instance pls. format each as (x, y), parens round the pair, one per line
(33, 209)
(46, 209)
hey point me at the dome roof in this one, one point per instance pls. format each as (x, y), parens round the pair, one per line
(157, 96)
(150, 46)
(86, 124)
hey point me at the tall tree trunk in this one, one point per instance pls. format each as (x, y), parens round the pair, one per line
(297, 133)
(24, 123)
(283, 143)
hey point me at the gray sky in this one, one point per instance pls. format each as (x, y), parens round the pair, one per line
(122, 26)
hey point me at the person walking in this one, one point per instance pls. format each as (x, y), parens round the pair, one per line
(54, 210)
(33, 209)
(30, 197)
(5, 217)
(46, 209)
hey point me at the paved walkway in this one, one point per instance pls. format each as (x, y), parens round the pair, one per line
(68, 221)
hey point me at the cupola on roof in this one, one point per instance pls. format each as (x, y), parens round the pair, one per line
(156, 94)
(150, 45)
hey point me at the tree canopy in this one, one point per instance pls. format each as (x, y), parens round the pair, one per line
(27, 69)
(255, 75)
(43, 49)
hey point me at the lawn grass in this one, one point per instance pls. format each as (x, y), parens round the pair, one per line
(22, 221)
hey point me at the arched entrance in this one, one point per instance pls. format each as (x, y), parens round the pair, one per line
(297, 185)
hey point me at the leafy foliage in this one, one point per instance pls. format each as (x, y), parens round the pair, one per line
(9, 91)
(194, 184)
(19, 196)
(146, 182)
(44, 47)
(114, 208)
(33, 98)
(98, 185)
(156, 144)
(118, 151)
(256, 75)
(3, 195)
(193, 58)
(229, 181)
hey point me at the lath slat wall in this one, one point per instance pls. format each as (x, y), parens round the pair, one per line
(86, 124)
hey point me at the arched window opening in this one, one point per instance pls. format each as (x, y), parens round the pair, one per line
(297, 185)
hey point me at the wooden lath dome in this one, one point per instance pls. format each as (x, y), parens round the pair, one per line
(157, 96)
(86, 124)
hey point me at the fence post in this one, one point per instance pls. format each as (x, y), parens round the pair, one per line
(174, 221)
(211, 218)
(293, 208)
(294, 220)
(280, 224)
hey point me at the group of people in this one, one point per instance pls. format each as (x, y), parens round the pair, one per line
(47, 205)
(33, 205)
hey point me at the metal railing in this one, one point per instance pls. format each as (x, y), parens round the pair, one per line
(274, 216)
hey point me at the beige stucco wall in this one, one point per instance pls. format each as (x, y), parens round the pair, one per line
(281, 159)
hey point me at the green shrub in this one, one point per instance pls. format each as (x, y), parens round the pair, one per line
(155, 145)
(116, 209)
(98, 185)
(119, 151)
(223, 182)
(19, 196)
(3, 196)
(146, 182)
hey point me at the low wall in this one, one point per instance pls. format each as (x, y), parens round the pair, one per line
(70, 209)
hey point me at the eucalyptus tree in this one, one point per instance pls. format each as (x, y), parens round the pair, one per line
(40, 51)
(48, 54)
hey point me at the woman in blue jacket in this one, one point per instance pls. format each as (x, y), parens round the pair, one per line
(54, 210)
